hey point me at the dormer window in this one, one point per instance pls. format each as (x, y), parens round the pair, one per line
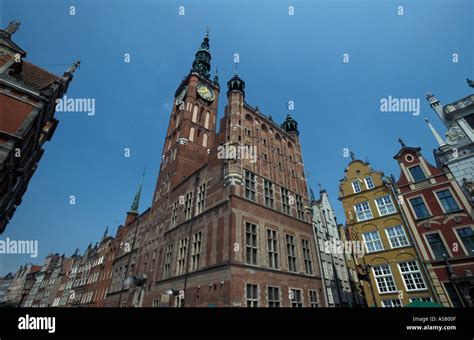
(417, 173)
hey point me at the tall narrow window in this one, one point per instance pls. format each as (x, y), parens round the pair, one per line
(313, 298)
(299, 207)
(252, 295)
(356, 186)
(274, 299)
(204, 140)
(206, 121)
(191, 134)
(174, 214)
(272, 248)
(369, 183)
(200, 199)
(269, 197)
(308, 262)
(251, 243)
(196, 250)
(250, 183)
(168, 257)
(188, 203)
(182, 250)
(195, 113)
(291, 252)
(285, 200)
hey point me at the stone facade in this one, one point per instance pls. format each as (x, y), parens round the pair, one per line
(333, 262)
(456, 150)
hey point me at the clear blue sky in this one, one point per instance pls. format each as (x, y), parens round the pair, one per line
(282, 58)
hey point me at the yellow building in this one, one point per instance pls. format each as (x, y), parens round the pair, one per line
(394, 276)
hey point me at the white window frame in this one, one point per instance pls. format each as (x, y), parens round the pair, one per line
(410, 273)
(384, 276)
(367, 183)
(364, 212)
(385, 205)
(391, 301)
(397, 236)
(357, 181)
(372, 241)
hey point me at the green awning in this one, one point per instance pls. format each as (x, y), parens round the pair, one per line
(423, 304)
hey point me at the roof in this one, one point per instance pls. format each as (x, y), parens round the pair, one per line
(35, 268)
(34, 76)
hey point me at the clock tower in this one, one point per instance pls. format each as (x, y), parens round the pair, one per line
(191, 130)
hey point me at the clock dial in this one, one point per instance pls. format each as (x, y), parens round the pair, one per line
(205, 92)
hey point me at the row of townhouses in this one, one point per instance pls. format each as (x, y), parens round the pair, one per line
(233, 222)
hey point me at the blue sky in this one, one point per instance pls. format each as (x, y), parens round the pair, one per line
(282, 58)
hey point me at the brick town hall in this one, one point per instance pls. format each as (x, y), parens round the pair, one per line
(221, 231)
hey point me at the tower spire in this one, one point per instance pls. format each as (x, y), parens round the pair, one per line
(12, 27)
(435, 133)
(136, 199)
(202, 60)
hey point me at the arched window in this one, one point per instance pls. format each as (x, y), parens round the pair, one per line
(177, 119)
(191, 135)
(195, 114)
(206, 122)
(200, 115)
(204, 140)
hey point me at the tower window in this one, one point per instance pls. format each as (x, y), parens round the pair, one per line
(195, 112)
(250, 182)
(291, 252)
(251, 248)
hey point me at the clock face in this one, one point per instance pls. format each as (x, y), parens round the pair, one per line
(180, 97)
(205, 92)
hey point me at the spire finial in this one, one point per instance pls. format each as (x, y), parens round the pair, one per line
(106, 233)
(136, 199)
(12, 27)
(216, 77)
(402, 143)
(352, 155)
(435, 133)
(207, 31)
(73, 67)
